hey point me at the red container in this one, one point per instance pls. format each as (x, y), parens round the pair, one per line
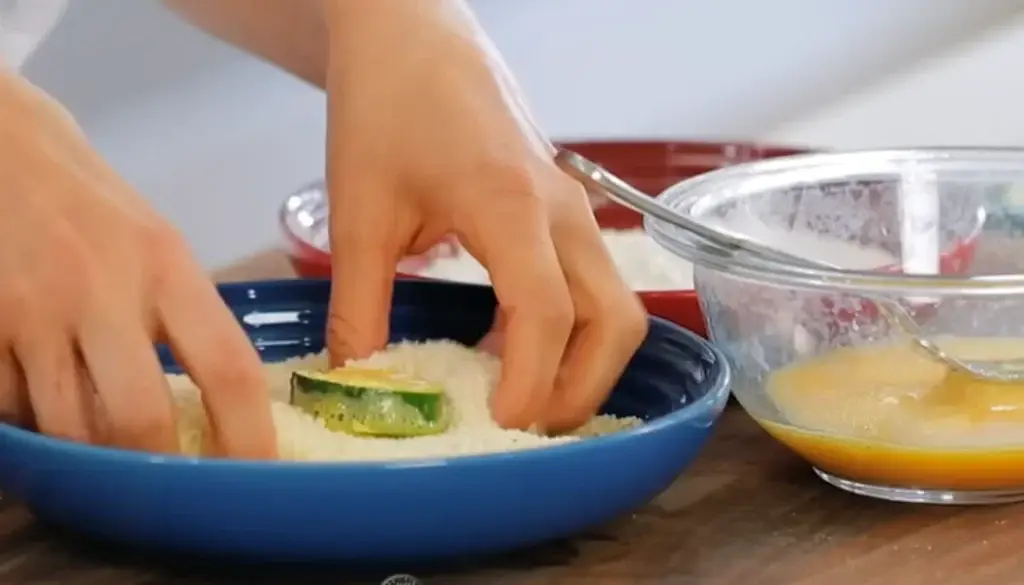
(649, 166)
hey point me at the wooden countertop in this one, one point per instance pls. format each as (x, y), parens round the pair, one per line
(748, 512)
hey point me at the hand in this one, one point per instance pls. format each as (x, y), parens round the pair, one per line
(430, 139)
(91, 278)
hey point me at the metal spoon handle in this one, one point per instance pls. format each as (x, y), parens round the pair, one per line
(595, 177)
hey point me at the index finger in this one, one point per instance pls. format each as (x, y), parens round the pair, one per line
(365, 251)
(208, 342)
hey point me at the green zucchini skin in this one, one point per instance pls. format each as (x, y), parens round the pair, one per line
(377, 405)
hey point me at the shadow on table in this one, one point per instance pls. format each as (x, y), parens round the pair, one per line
(133, 565)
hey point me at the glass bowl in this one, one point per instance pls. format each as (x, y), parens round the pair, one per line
(651, 166)
(818, 367)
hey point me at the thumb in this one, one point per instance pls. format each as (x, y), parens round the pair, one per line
(365, 250)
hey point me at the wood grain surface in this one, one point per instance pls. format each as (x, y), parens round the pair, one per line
(748, 513)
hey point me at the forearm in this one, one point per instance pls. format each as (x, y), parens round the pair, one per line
(303, 36)
(23, 105)
(363, 34)
(289, 33)
(395, 24)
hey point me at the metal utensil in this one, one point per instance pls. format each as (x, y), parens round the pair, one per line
(728, 245)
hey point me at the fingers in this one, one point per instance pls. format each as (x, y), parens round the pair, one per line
(611, 323)
(535, 307)
(15, 407)
(48, 360)
(365, 251)
(208, 342)
(494, 341)
(120, 360)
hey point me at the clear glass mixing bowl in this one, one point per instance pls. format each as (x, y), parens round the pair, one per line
(818, 367)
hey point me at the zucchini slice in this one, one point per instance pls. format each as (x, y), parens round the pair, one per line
(372, 402)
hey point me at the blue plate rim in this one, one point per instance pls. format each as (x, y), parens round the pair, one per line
(712, 399)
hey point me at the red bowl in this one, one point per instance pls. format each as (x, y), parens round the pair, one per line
(650, 166)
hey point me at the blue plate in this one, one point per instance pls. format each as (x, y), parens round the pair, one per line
(363, 512)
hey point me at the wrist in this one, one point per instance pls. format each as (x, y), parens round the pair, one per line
(371, 35)
(21, 101)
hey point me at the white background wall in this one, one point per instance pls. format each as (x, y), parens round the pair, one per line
(216, 139)
(968, 94)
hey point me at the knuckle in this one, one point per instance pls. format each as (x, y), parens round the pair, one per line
(556, 311)
(632, 323)
(73, 281)
(234, 378)
(160, 243)
(508, 180)
(352, 237)
(65, 242)
(90, 287)
(571, 193)
(163, 251)
(622, 319)
(16, 296)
